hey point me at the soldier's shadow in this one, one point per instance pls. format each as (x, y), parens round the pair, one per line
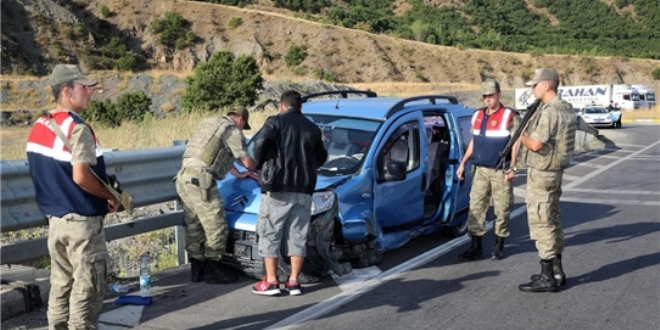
(573, 214)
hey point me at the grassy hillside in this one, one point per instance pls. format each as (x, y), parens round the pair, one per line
(578, 27)
(173, 36)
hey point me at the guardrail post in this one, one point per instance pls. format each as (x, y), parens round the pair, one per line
(179, 231)
(180, 239)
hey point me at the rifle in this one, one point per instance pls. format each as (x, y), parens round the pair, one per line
(507, 149)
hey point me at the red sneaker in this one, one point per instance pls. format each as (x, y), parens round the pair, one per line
(292, 287)
(265, 288)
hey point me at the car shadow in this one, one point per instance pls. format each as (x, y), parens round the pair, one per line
(408, 295)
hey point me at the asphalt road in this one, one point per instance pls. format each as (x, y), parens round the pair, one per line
(611, 214)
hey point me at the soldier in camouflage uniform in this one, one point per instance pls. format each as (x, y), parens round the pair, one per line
(492, 128)
(548, 141)
(209, 155)
(74, 201)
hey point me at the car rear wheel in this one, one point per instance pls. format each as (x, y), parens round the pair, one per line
(457, 230)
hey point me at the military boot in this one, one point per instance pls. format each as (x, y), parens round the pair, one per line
(498, 249)
(558, 270)
(474, 252)
(545, 281)
(196, 270)
(215, 273)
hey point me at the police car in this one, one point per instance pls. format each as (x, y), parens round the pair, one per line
(390, 176)
(600, 116)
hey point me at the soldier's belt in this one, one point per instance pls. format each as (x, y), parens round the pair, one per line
(196, 170)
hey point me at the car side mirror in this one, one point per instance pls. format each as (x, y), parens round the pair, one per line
(395, 171)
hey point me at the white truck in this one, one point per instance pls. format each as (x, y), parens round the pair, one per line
(623, 96)
(646, 96)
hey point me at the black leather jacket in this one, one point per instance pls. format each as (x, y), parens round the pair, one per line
(288, 151)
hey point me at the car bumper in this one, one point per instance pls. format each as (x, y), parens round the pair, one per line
(242, 252)
(600, 123)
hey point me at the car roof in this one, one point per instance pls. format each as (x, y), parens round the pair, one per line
(376, 108)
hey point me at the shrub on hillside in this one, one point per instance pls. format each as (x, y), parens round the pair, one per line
(295, 56)
(132, 106)
(128, 62)
(128, 107)
(174, 30)
(656, 74)
(235, 22)
(101, 112)
(223, 81)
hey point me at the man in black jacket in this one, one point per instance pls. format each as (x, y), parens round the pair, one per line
(288, 151)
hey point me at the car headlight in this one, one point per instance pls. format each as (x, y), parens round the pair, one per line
(322, 201)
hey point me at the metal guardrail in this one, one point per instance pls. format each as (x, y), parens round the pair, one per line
(147, 174)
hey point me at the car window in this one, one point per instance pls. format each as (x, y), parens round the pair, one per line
(595, 110)
(465, 123)
(347, 140)
(404, 146)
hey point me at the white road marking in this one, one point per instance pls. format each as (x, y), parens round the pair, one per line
(646, 157)
(127, 315)
(586, 164)
(607, 167)
(603, 156)
(630, 145)
(571, 177)
(520, 192)
(610, 201)
(111, 327)
(613, 192)
(356, 277)
(330, 304)
(618, 150)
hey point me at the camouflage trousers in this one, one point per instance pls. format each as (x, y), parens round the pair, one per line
(543, 214)
(206, 223)
(78, 257)
(487, 183)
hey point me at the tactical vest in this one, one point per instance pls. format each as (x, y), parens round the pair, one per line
(556, 152)
(208, 146)
(491, 133)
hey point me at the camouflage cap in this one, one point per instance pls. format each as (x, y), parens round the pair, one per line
(65, 73)
(243, 112)
(489, 87)
(548, 74)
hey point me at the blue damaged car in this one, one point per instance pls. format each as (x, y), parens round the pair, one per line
(390, 176)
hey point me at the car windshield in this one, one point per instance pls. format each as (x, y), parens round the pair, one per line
(347, 141)
(650, 97)
(595, 110)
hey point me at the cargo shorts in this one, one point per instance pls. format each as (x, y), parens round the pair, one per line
(284, 216)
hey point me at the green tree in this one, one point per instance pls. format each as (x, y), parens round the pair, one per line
(132, 106)
(101, 112)
(223, 81)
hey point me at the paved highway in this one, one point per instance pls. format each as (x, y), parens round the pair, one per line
(611, 214)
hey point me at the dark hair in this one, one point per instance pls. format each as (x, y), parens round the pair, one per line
(291, 99)
(57, 89)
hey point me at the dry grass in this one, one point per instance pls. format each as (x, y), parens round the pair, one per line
(410, 89)
(653, 113)
(150, 133)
